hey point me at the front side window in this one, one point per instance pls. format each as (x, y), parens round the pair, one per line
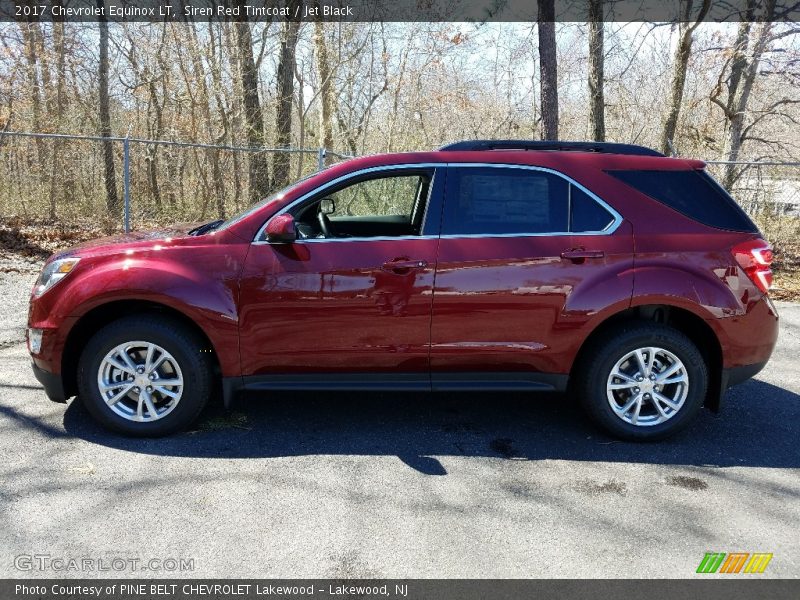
(384, 205)
(507, 201)
(383, 197)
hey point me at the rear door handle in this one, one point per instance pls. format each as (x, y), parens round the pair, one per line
(402, 266)
(581, 254)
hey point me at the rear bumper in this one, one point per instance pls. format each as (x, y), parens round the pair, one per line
(729, 377)
(52, 383)
(736, 375)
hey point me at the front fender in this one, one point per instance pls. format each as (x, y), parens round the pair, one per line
(203, 288)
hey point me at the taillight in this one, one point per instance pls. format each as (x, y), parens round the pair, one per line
(755, 258)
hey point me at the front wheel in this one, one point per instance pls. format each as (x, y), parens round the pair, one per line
(145, 376)
(643, 382)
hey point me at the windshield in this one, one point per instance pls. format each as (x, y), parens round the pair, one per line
(268, 200)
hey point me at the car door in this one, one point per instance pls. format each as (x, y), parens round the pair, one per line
(353, 308)
(523, 254)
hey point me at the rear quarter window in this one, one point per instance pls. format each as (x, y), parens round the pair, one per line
(694, 194)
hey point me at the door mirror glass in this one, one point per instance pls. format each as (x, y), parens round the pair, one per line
(281, 229)
(327, 206)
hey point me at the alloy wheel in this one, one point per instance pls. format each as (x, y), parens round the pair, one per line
(647, 386)
(140, 381)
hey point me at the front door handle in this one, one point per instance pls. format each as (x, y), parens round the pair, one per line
(580, 254)
(403, 266)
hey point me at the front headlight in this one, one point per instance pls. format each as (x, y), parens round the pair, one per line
(53, 273)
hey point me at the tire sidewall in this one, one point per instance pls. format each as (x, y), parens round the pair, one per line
(617, 347)
(183, 350)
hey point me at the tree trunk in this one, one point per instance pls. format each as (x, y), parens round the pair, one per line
(200, 76)
(326, 86)
(112, 199)
(739, 102)
(258, 172)
(34, 86)
(596, 64)
(152, 149)
(236, 106)
(679, 65)
(548, 69)
(56, 175)
(283, 118)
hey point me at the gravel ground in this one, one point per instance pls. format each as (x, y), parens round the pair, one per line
(399, 485)
(17, 275)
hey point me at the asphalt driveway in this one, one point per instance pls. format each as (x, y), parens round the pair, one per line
(400, 485)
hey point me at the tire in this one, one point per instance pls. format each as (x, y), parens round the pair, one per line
(655, 419)
(178, 355)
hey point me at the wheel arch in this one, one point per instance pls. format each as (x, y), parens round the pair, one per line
(687, 322)
(100, 316)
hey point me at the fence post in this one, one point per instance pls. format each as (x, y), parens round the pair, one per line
(321, 159)
(126, 181)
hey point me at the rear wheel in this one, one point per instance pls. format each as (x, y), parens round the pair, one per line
(643, 381)
(145, 376)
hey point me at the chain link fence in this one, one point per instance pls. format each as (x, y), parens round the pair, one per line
(770, 193)
(62, 178)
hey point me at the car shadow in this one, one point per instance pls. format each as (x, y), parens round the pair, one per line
(757, 428)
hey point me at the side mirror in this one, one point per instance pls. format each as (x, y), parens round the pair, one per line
(327, 206)
(281, 229)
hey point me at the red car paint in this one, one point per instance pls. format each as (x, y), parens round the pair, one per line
(430, 305)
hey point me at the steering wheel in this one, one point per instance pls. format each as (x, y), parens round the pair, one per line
(324, 224)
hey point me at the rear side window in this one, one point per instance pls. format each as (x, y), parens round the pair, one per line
(691, 193)
(496, 201)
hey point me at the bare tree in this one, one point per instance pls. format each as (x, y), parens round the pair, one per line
(258, 173)
(548, 69)
(683, 52)
(376, 87)
(365, 80)
(112, 199)
(283, 114)
(34, 80)
(325, 74)
(59, 100)
(737, 79)
(596, 63)
(151, 77)
(201, 76)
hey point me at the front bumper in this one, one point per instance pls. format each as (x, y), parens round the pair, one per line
(53, 384)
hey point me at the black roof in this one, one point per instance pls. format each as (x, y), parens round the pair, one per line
(600, 147)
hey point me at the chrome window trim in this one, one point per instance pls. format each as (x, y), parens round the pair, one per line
(377, 238)
(609, 229)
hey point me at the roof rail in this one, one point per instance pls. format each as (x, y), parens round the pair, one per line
(600, 147)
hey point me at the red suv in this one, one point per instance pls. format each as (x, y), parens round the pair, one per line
(628, 277)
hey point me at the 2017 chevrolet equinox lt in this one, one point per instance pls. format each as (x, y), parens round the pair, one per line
(632, 279)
